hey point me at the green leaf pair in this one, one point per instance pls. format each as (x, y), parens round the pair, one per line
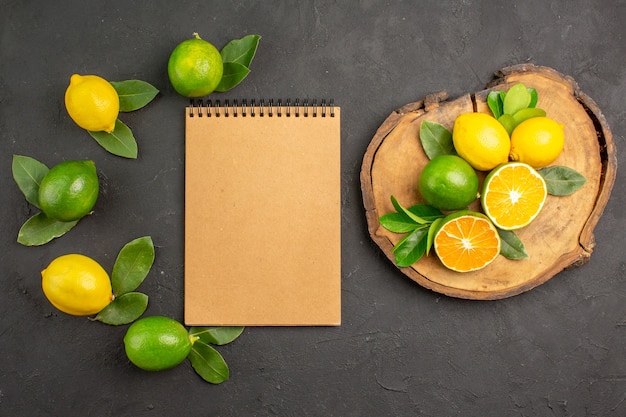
(513, 107)
(134, 95)
(131, 267)
(237, 56)
(205, 359)
(39, 229)
(418, 222)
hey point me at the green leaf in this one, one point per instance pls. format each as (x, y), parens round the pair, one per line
(28, 173)
(124, 309)
(528, 113)
(534, 97)
(39, 230)
(412, 247)
(216, 335)
(132, 265)
(508, 122)
(436, 139)
(426, 212)
(208, 363)
(400, 209)
(241, 51)
(398, 222)
(120, 142)
(234, 73)
(134, 94)
(432, 230)
(562, 180)
(517, 98)
(511, 247)
(494, 101)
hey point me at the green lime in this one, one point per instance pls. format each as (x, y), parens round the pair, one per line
(195, 67)
(448, 182)
(69, 190)
(156, 343)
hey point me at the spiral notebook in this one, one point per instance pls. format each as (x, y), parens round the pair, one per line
(262, 214)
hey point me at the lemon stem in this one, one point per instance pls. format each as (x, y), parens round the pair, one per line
(193, 339)
(196, 35)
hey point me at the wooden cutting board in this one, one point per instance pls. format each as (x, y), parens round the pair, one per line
(560, 237)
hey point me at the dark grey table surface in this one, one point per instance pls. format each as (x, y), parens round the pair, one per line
(558, 350)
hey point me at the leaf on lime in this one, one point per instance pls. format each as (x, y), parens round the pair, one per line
(132, 265)
(234, 73)
(241, 51)
(216, 335)
(28, 173)
(134, 94)
(511, 246)
(208, 363)
(120, 142)
(562, 180)
(124, 309)
(436, 139)
(40, 229)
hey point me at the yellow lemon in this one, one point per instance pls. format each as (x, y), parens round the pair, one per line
(481, 140)
(537, 141)
(76, 285)
(92, 102)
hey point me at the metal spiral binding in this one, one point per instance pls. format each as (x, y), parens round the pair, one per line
(215, 108)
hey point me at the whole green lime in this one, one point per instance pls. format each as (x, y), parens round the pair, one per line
(156, 343)
(195, 67)
(448, 182)
(69, 190)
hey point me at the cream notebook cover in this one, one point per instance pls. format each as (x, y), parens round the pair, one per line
(262, 215)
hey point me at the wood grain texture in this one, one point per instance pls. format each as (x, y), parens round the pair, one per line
(560, 237)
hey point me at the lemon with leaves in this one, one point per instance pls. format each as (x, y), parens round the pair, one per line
(195, 67)
(77, 285)
(481, 140)
(92, 102)
(537, 141)
(156, 343)
(69, 190)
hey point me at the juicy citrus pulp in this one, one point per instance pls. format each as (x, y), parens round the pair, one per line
(69, 190)
(77, 285)
(537, 141)
(156, 343)
(92, 102)
(195, 67)
(466, 241)
(448, 182)
(481, 140)
(513, 195)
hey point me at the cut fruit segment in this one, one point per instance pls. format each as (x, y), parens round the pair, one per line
(466, 241)
(513, 195)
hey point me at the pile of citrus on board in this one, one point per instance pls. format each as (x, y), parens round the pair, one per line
(515, 147)
(77, 284)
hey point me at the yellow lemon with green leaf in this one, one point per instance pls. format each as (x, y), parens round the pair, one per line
(92, 102)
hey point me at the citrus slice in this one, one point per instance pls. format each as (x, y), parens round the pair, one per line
(513, 195)
(466, 241)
